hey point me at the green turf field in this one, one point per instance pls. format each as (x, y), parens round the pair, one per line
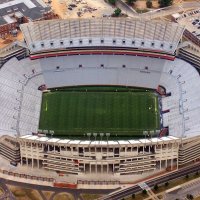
(119, 111)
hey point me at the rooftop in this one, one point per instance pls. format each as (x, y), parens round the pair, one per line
(195, 50)
(33, 9)
(191, 21)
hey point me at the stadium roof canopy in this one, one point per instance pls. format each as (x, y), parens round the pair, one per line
(59, 34)
(97, 142)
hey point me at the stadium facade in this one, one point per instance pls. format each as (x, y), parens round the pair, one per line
(57, 50)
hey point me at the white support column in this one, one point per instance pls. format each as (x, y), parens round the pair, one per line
(143, 149)
(38, 156)
(172, 157)
(177, 159)
(32, 155)
(161, 156)
(21, 144)
(71, 148)
(26, 154)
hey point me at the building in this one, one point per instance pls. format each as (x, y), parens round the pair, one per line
(111, 157)
(190, 52)
(12, 50)
(191, 21)
(15, 12)
(147, 49)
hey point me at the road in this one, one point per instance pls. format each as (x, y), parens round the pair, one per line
(126, 9)
(160, 180)
(162, 12)
(191, 188)
(113, 196)
(171, 10)
(75, 192)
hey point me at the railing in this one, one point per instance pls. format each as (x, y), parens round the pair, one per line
(27, 176)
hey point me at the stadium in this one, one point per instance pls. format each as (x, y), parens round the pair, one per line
(100, 96)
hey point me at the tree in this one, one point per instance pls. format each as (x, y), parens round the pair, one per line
(149, 4)
(165, 3)
(113, 2)
(133, 196)
(166, 184)
(144, 192)
(155, 187)
(190, 196)
(117, 12)
(130, 2)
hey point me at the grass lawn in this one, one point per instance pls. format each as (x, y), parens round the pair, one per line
(1, 191)
(24, 193)
(63, 196)
(90, 196)
(119, 111)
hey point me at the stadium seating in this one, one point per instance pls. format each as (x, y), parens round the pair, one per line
(102, 70)
(20, 99)
(182, 80)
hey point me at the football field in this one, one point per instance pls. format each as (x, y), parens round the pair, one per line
(119, 111)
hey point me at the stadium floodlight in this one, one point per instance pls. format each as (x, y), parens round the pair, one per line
(101, 135)
(157, 132)
(107, 135)
(89, 135)
(51, 132)
(145, 133)
(95, 135)
(152, 133)
(45, 131)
